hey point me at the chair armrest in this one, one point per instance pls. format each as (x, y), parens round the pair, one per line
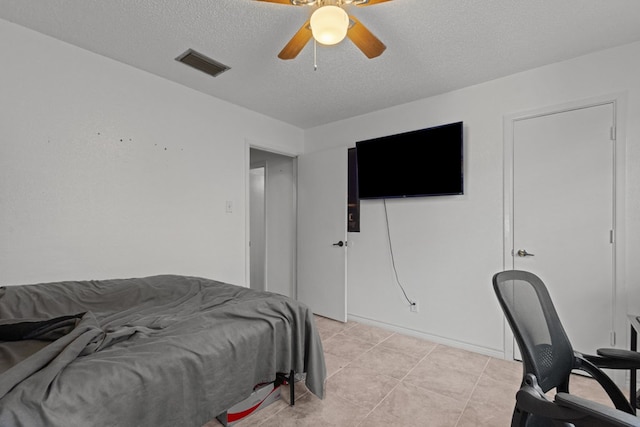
(531, 399)
(616, 396)
(602, 415)
(616, 358)
(611, 362)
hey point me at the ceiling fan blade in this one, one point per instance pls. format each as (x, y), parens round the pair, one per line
(372, 2)
(365, 40)
(297, 42)
(278, 1)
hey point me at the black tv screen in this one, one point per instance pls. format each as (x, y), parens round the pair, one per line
(426, 162)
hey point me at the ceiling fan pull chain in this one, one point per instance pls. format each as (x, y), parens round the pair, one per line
(315, 56)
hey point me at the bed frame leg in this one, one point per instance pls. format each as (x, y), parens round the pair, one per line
(281, 378)
(292, 391)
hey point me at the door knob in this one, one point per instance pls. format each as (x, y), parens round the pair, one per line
(523, 253)
(340, 243)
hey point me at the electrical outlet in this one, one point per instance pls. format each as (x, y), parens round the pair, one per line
(415, 306)
(229, 206)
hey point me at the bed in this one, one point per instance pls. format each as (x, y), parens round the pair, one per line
(157, 351)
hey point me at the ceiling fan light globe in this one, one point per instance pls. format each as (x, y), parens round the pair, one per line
(329, 25)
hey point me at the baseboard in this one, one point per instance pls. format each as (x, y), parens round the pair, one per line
(498, 354)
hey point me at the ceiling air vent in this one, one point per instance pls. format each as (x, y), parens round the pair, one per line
(202, 63)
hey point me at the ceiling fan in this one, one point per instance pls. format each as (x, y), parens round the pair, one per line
(330, 24)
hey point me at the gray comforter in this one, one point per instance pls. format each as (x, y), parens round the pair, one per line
(159, 351)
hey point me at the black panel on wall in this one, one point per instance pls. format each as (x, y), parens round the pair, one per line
(353, 201)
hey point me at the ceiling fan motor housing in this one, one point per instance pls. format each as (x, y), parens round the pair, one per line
(330, 24)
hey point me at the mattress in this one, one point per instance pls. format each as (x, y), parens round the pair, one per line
(158, 351)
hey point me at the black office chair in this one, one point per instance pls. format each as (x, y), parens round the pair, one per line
(548, 360)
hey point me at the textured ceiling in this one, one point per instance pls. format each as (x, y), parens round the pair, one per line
(433, 46)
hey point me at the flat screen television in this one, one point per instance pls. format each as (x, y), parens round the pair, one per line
(426, 162)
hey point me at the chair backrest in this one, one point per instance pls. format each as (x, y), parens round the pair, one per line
(546, 350)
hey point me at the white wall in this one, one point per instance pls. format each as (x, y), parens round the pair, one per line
(448, 248)
(107, 171)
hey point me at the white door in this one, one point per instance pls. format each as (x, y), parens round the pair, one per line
(562, 219)
(322, 232)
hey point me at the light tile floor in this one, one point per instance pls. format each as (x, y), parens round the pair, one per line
(380, 378)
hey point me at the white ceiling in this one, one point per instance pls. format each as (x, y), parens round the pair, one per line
(433, 46)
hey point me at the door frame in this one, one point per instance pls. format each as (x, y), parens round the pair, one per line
(248, 145)
(619, 102)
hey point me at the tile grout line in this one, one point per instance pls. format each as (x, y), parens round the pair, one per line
(466, 403)
(385, 396)
(392, 388)
(399, 381)
(350, 362)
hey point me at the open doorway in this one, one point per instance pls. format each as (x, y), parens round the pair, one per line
(257, 226)
(272, 224)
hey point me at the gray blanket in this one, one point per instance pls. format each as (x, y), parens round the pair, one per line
(159, 351)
